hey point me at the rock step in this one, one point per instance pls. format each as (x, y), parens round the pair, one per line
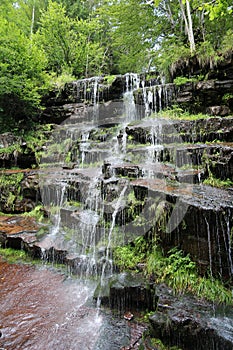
(169, 131)
(198, 219)
(190, 324)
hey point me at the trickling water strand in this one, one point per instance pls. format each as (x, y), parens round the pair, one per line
(155, 99)
(227, 241)
(219, 248)
(155, 149)
(87, 90)
(160, 97)
(43, 254)
(150, 100)
(145, 99)
(107, 262)
(165, 94)
(84, 145)
(228, 234)
(128, 98)
(89, 219)
(88, 225)
(209, 246)
(107, 259)
(114, 214)
(132, 81)
(93, 195)
(96, 98)
(59, 200)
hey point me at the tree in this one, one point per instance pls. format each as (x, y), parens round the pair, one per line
(22, 77)
(130, 32)
(57, 38)
(188, 23)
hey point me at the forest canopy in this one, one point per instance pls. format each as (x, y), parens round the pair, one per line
(44, 41)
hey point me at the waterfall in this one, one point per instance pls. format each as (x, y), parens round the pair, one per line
(209, 246)
(83, 147)
(132, 83)
(59, 200)
(88, 90)
(146, 99)
(107, 268)
(228, 239)
(114, 214)
(155, 149)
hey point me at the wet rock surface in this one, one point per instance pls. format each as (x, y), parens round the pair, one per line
(127, 293)
(190, 324)
(191, 209)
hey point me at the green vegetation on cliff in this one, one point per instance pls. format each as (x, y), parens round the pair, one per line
(175, 269)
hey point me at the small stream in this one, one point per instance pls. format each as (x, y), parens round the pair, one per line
(41, 308)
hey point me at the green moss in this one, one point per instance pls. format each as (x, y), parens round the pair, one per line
(10, 149)
(15, 256)
(158, 344)
(36, 213)
(214, 182)
(184, 80)
(10, 188)
(109, 79)
(74, 204)
(176, 112)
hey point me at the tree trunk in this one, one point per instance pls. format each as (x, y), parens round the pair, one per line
(188, 24)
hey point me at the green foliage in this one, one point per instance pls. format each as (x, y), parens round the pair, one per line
(184, 80)
(132, 25)
(176, 112)
(14, 256)
(227, 97)
(59, 81)
(206, 54)
(22, 76)
(109, 79)
(58, 39)
(125, 258)
(170, 53)
(214, 182)
(10, 188)
(180, 273)
(157, 344)
(217, 9)
(227, 42)
(10, 180)
(129, 256)
(36, 213)
(177, 270)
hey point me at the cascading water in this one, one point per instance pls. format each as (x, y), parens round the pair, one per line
(85, 222)
(84, 145)
(132, 83)
(93, 221)
(209, 247)
(156, 146)
(228, 240)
